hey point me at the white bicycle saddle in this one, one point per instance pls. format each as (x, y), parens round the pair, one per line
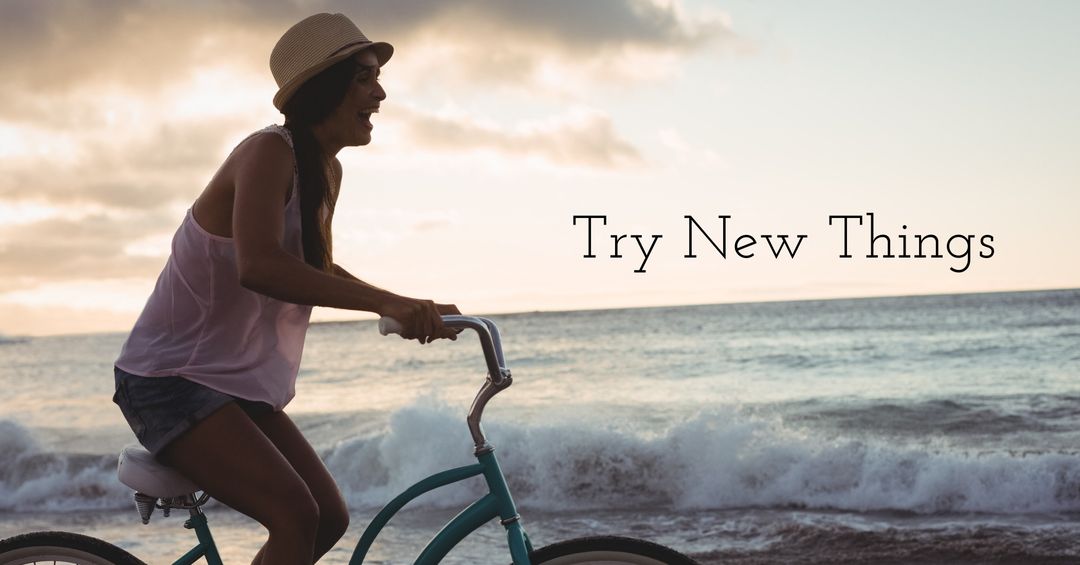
(140, 471)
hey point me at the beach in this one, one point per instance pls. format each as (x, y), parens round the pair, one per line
(924, 429)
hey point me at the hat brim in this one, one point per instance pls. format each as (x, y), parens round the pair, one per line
(383, 52)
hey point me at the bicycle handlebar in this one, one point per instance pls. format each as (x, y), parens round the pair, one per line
(488, 332)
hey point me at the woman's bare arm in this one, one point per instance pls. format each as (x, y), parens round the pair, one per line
(262, 179)
(341, 272)
(443, 309)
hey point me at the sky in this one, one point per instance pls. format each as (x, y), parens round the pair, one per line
(504, 120)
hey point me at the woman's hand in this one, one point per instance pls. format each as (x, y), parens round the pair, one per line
(448, 310)
(421, 319)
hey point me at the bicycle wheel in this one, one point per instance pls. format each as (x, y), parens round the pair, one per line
(604, 550)
(62, 547)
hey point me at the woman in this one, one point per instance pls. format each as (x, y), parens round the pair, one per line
(212, 360)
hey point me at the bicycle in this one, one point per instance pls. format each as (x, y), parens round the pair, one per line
(158, 486)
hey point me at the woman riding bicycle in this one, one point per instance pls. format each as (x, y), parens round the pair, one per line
(212, 360)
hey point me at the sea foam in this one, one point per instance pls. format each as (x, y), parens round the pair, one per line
(34, 479)
(717, 459)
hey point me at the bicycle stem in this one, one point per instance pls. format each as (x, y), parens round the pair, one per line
(498, 378)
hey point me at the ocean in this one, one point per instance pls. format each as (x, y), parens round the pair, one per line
(926, 429)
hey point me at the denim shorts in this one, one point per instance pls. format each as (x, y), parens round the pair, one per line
(161, 409)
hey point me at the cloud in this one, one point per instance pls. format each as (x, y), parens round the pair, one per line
(112, 190)
(535, 49)
(579, 26)
(582, 138)
(114, 113)
(61, 58)
(68, 66)
(169, 163)
(77, 248)
(107, 193)
(52, 46)
(55, 47)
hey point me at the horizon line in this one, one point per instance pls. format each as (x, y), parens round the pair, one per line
(371, 317)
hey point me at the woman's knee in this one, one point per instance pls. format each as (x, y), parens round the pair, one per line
(296, 515)
(333, 518)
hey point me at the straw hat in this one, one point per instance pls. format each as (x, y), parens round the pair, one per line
(314, 44)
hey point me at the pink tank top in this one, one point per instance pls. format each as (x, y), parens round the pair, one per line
(200, 323)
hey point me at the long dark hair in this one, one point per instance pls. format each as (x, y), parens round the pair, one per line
(316, 99)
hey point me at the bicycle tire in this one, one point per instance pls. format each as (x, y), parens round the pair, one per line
(62, 547)
(607, 550)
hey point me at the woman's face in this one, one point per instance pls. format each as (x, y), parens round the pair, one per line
(353, 117)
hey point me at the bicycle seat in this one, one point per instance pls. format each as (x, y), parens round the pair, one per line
(140, 471)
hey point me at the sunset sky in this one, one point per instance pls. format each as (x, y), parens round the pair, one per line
(505, 119)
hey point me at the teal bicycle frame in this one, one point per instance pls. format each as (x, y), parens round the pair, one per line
(206, 547)
(496, 504)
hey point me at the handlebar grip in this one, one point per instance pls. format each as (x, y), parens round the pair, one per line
(490, 341)
(388, 325)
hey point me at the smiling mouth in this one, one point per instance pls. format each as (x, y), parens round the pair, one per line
(365, 116)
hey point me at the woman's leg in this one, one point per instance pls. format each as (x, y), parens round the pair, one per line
(230, 458)
(333, 513)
